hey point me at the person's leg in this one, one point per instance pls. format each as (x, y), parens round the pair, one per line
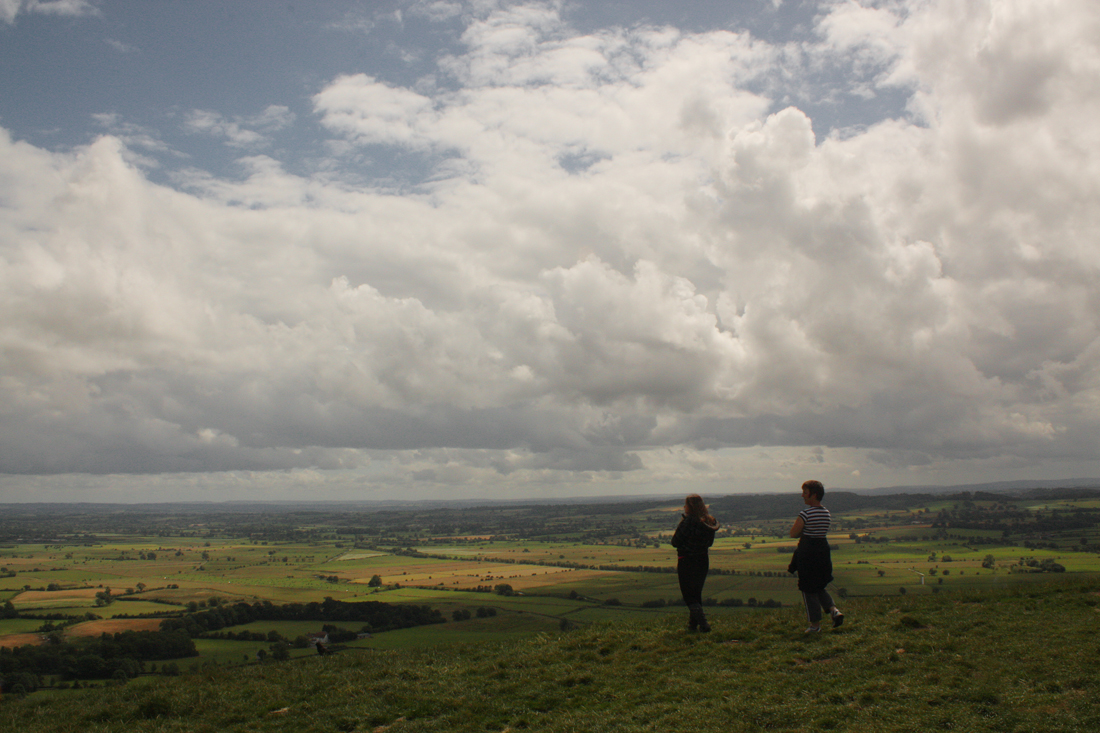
(692, 574)
(685, 574)
(813, 610)
(702, 568)
(826, 602)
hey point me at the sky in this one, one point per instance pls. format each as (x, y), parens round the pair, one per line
(443, 249)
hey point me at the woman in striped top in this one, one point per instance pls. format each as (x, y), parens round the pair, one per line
(812, 559)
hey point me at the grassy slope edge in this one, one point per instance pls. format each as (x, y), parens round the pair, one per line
(1015, 659)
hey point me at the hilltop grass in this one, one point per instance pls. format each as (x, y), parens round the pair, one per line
(1015, 659)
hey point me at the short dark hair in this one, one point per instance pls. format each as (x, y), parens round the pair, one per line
(815, 487)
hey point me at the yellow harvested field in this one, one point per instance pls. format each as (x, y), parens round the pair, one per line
(462, 575)
(359, 555)
(189, 592)
(113, 626)
(14, 640)
(54, 597)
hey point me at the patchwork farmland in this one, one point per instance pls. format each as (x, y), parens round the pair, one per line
(503, 571)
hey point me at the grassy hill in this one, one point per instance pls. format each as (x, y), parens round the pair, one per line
(1021, 658)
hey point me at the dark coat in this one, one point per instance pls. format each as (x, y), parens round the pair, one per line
(693, 536)
(813, 561)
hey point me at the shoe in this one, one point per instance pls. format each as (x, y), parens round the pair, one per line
(838, 617)
(698, 619)
(813, 629)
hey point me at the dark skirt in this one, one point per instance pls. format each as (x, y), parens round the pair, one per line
(814, 563)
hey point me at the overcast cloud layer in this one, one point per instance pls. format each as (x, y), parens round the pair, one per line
(605, 261)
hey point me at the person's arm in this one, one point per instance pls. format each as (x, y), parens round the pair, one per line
(798, 526)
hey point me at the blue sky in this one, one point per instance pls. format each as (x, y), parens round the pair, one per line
(75, 70)
(496, 249)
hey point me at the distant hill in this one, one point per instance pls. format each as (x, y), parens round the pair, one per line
(776, 506)
(996, 487)
(768, 505)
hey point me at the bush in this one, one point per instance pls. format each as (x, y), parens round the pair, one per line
(155, 707)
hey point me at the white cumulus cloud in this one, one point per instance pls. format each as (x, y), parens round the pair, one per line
(627, 259)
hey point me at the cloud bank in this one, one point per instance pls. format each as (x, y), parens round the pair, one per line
(627, 255)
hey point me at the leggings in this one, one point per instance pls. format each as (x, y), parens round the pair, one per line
(815, 603)
(692, 573)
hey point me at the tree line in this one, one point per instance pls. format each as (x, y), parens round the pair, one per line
(110, 656)
(374, 616)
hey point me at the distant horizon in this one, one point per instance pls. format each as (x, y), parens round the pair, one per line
(990, 487)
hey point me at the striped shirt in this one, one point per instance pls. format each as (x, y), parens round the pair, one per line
(817, 520)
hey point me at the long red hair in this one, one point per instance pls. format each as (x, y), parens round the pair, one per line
(694, 507)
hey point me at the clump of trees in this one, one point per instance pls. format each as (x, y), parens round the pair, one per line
(374, 616)
(463, 614)
(1031, 565)
(118, 656)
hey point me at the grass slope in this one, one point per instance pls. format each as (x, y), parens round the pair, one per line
(1016, 659)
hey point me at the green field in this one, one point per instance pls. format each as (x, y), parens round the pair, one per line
(1016, 659)
(18, 626)
(576, 565)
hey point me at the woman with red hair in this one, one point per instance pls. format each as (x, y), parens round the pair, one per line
(692, 540)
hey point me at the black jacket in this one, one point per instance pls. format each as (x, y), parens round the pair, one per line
(813, 561)
(693, 536)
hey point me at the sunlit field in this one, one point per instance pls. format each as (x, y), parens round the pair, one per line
(553, 572)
